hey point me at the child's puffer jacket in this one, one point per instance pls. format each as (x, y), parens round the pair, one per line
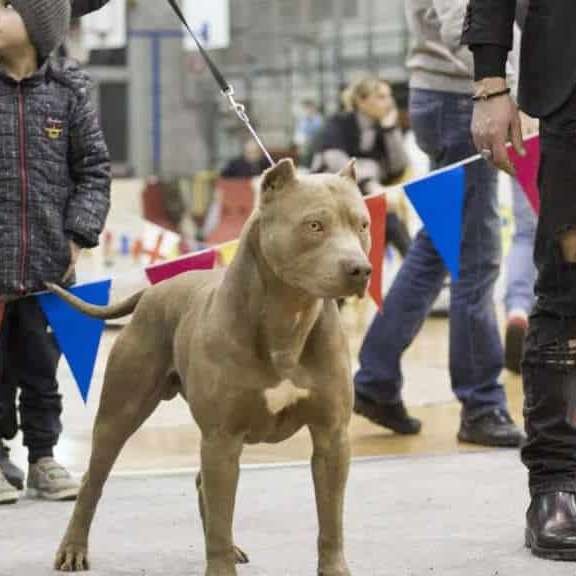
(54, 175)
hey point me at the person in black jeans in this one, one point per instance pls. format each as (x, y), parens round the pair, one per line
(548, 92)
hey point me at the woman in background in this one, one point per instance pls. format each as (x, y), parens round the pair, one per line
(368, 131)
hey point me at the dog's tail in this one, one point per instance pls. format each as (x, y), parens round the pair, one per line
(103, 312)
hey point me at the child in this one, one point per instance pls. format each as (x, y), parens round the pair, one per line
(54, 198)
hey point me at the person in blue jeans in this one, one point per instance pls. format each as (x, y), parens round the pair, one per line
(520, 278)
(440, 113)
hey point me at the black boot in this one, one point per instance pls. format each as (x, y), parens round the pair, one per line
(392, 416)
(551, 526)
(495, 428)
(11, 472)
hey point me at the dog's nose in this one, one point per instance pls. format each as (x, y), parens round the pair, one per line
(357, 270)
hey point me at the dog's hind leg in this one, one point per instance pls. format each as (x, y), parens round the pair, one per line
(220, 472)
(133, 387)
(241, 556)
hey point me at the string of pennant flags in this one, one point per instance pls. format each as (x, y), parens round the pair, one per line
(438, 198)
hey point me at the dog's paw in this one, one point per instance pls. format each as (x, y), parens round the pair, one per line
(284, 395)
(72, 558)
(342, 571)
(240, 556)
(220, 569)
(334, 567)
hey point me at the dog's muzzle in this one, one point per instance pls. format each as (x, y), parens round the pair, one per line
(357, 274)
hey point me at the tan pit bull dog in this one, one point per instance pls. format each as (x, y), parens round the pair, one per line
(256, 350)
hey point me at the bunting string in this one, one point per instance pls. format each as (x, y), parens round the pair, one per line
(437, 197)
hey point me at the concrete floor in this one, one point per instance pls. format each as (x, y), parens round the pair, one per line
(450, 515)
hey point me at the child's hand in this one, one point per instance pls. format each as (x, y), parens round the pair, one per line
(74, 254)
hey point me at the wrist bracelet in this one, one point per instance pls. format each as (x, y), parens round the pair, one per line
(489, 96)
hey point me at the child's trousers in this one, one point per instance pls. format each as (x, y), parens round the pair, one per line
(28, 362)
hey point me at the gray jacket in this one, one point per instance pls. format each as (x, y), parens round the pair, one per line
(437, 60)
(54, 175)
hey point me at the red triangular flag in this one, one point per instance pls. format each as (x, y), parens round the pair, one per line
(166, 270)
(527, 170)
(377, 208)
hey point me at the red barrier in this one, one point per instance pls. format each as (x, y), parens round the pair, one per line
(235, 199)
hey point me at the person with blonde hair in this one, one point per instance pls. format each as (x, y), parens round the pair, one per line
(367, 130)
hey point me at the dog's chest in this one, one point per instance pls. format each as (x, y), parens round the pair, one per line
(264, 427)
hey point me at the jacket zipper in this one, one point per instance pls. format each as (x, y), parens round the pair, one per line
(23, 189)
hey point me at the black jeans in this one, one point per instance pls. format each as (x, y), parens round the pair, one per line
(28, 361)
(550, 354)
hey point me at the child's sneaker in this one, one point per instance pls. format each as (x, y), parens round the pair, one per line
(11, 472)
(48, 480)
(8, 494)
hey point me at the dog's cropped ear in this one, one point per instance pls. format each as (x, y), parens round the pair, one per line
(350, 171)
(277, 177)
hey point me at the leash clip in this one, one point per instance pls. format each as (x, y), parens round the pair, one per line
(240, 111)
(238, 107)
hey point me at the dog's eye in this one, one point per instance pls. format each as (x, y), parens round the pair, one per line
(365, 226)
(316, 226)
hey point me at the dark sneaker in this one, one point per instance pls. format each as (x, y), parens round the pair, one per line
(392, 416)
(495, 428)
(8, 494)
(48, 480)
(10, 471)
(514, 343)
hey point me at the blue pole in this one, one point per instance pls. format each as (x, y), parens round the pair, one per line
(156, 104)
(155, 37)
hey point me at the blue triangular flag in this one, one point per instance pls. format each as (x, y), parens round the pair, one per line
(78, 335)
(439, 201)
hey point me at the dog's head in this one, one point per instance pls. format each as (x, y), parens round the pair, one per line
(315, 230)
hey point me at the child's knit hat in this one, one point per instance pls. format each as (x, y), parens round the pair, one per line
(47, 23)
(82, 7)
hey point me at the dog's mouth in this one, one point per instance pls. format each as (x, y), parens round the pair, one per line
(359, 290)
(346, 291)
(331, 286)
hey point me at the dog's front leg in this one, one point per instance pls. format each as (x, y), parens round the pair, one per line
(330, 464)
(220, 471)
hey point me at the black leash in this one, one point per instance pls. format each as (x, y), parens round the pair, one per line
(226, 88)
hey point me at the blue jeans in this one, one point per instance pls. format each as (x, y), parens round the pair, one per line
(520, 269)
(441, 123)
